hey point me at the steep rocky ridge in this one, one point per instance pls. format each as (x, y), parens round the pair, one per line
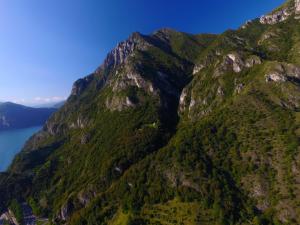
(291, 7)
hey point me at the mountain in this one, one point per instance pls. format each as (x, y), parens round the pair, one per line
(51, 105)
(59, 104)
(13, 116)
(175, 128)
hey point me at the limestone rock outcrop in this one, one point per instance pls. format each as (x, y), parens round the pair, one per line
(276, 17)
(236, 62)
(283, 72)
(123, 50)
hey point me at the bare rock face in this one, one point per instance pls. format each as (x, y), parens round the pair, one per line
(80, 85)
(197, 68)
(275, 77)
(124, 49)
(252, 60)
(187, 100)
(283, 72)
(52, 128)
(297, 6)
(287, 78)
(236, 62)
(131, 78)
(8, 217)
(116, 57)
(55, 127)
(282, 15)
(127, 77)
(275, 17)
(231, 61)
(66, 211)
(80, 123)
(119, 103)
(182, 100)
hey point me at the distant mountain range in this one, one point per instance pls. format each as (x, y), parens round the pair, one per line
(14, 116)
(59, 104)
(50, 105)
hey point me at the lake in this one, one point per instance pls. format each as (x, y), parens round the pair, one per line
(11, 143)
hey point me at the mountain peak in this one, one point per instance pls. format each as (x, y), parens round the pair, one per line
(165, 30)
(124, 49)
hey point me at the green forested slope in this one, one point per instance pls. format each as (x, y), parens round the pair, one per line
(174, 128)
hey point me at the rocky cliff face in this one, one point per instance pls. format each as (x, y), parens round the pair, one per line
(197, 129)
(291, 7)
(275, 17)
(124, 49)
(80, 85)
(297, 6)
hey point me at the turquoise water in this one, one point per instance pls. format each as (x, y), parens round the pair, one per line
(11, 142)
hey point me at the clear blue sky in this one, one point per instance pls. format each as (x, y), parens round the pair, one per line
(46, 45)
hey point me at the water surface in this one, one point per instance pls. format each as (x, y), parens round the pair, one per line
(11, 142)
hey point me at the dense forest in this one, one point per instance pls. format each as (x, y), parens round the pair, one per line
(175, 128)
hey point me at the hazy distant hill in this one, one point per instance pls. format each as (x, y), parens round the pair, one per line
(59, 104)
(19, 116)
(56, 105)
